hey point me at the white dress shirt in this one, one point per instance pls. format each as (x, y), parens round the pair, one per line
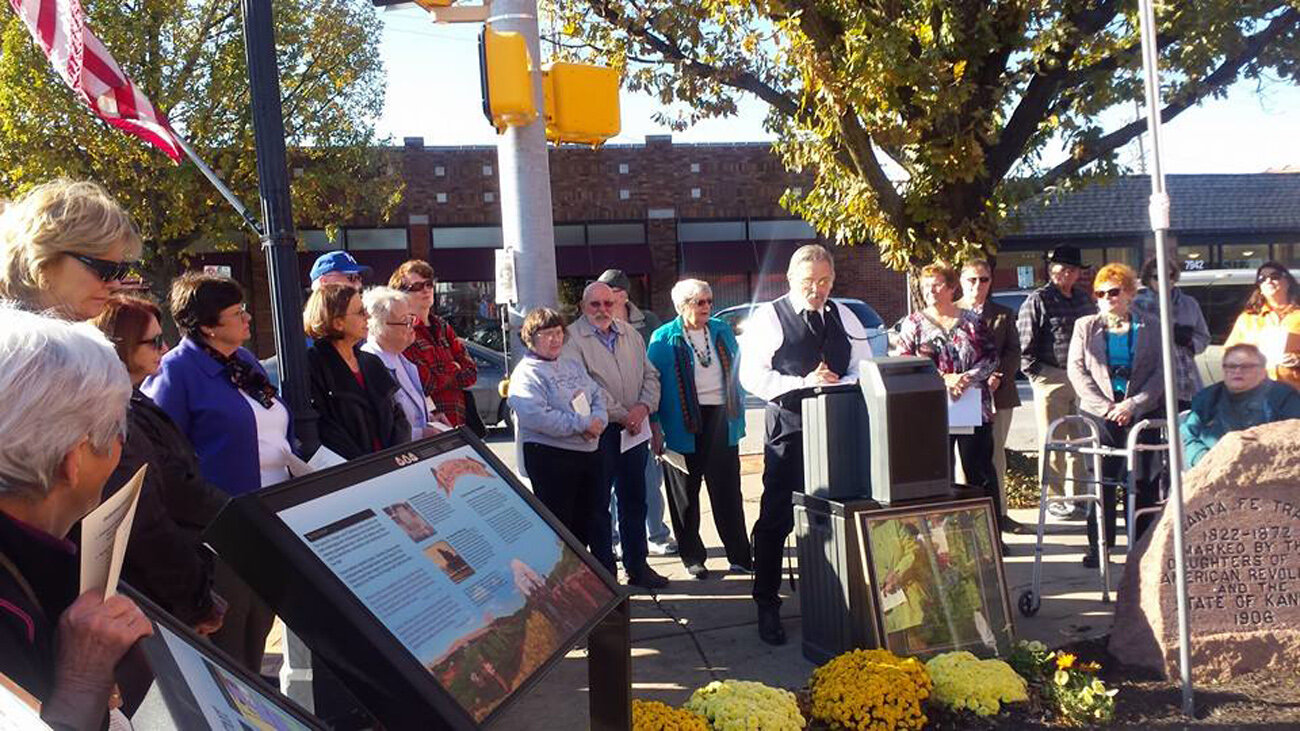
(763, 336)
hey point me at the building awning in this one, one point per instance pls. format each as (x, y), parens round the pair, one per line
(737, 257)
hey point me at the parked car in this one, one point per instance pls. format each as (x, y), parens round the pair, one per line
(736, 316)
(492, 409)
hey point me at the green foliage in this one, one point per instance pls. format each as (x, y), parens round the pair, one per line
(927, 121)
(1071, 688)
(188, 57)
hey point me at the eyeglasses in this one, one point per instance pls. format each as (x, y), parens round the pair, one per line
(1106, 293)
(416, 286)
(702, 302)
(1241, 367)
(156, 341)
(107, 271)
(243, 310)
(408, 322)
(1269, 277)
(979, 280)
(602, 303)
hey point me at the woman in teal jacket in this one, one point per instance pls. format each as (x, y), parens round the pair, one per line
(699, 424)
(1245, 398)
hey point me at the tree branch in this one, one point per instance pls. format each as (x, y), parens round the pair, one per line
(1087, 153)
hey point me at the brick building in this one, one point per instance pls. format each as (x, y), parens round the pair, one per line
(660, 211)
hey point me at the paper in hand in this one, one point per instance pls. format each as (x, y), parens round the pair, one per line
(631, 440)
(104, 535)
(676, 460)
(581, 405)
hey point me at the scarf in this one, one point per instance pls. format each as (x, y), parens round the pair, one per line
(684, 365)
(243, 376)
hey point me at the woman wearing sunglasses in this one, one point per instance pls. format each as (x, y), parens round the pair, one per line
(446, 369)
(1271, 322)
(1115, 367)
(166, 559)
(65, 247)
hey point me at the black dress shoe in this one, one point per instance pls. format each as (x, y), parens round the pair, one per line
(646, 578)
(1091, 560)
(1010, 525)
(769, 626)
(697, 570)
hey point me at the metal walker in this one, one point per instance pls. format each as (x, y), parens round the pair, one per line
(1030, 600)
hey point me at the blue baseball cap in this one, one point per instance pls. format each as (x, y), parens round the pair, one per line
(336, 261)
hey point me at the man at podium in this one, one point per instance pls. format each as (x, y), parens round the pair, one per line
(800, 340)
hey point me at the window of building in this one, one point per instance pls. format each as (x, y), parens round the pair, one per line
(622, 168)
(1129, 255)
(489, 197)
(695, 192)
(439, 171)
(1288, 254)
(699, 231)
(467, 237)
(624, 194)
(487, 171)
(1194, 258)
(373, 239)
(1019, 270)
(316, 240)
(1093, 259)
(570, 234)
(781, 230)
(1243, 256)
(695, 167)
(600, 234)
(440, 197)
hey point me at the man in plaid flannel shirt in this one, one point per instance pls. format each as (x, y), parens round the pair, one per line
(1046, 325)
(446, 368)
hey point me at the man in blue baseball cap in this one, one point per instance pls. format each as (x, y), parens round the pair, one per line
(337, 267)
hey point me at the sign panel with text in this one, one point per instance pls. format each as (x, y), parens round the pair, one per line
(438, 567)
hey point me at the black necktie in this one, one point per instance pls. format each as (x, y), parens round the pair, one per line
(816, 323)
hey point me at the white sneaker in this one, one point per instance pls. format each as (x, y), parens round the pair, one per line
(667, 548)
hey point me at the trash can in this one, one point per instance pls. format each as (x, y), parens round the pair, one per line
(834, 599)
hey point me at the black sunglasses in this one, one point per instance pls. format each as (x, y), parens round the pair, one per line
(980, 280)
(1269, 277)
(417, 286)
(107, 271)
(1112, 292)
(156, 341)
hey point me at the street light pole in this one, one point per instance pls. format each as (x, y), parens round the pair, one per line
(279, 241)
(527, 225)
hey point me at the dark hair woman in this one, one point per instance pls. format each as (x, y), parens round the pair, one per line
(351, 390)
(218, 395)
(1271, 322)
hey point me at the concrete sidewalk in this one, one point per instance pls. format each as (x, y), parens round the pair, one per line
(697, 631)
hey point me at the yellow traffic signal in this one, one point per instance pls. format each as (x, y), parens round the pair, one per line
(506, 72)
(581, 103)
(428, 4)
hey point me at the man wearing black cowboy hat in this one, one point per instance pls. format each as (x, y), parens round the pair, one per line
(1046, 324)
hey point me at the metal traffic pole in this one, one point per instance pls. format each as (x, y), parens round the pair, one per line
(1159, 213)
(527, 225)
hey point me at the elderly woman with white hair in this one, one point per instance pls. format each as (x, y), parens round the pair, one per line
(700, 421)
(65, 394)
(392, 330)
(65, 246)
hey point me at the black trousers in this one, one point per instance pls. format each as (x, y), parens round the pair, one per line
(718, 465)
(569, 483)
(1114, 472)
(976, 451)
(782, 477)
(248, 619)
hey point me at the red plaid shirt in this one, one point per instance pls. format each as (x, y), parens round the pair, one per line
(445, 367)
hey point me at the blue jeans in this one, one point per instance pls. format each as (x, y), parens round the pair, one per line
(656, 529)
(625, 471)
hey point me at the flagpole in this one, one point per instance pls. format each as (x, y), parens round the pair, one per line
(1159, 214)
(225, 192)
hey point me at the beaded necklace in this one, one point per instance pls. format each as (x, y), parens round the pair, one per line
(705, 358)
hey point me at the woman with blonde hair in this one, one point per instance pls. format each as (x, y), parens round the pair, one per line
(65, 247)
(1115, 367)
(1271, 322)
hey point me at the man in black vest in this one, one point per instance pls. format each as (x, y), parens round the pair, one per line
(799, 340)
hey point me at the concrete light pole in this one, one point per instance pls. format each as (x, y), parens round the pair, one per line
(524, 173)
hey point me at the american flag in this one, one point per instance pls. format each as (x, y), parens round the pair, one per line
(59, 27)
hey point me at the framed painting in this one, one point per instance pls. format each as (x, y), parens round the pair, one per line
(935, 575)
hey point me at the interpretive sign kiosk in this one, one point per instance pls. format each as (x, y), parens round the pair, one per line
(432, 583)
(193, 685)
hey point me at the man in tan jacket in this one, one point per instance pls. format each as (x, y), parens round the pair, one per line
(614, 355)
